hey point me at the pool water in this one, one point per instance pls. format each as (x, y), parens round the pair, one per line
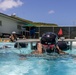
(12, 64)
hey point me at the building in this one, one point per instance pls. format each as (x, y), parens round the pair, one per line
(11, 23)
(8, 24)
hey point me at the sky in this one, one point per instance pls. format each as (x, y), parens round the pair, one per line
(60, 12)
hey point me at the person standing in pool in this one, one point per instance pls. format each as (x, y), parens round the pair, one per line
(13, 37)
(48, 44)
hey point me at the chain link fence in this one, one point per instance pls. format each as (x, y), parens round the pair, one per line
(68, 32)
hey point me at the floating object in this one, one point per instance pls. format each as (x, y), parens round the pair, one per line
(60, 33)
(21, 45)
(63, 45)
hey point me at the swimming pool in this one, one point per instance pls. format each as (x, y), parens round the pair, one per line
(12, 64)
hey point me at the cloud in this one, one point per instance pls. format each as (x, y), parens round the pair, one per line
(8, 4)
(51, 12)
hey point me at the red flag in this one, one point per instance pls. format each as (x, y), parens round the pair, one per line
(60, 32)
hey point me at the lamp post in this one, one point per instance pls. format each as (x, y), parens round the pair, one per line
(69, 31)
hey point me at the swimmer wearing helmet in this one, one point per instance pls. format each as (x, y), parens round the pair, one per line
(48, 44)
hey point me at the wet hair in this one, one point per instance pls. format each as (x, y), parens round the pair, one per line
(49, 38)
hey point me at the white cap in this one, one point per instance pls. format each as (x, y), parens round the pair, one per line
(13, 32)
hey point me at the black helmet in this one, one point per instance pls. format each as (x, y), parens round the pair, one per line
(49, 38)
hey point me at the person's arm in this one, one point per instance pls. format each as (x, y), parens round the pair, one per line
(60, 51)
(39, 49)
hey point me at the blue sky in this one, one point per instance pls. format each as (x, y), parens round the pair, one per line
(61, 12)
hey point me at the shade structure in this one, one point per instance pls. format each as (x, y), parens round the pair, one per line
(29, 25)
(60, 33)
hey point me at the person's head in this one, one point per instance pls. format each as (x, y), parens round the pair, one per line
(14, 33)
(49, 38)
(49, 41)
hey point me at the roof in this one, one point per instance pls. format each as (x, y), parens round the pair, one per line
(27, 22)
(15, 18)
(40, 24)
(21, 19)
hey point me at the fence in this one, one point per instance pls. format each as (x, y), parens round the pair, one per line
(68, 32)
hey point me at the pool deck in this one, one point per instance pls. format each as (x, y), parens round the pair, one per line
(36, 40)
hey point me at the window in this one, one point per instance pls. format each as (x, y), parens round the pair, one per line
(18, 27)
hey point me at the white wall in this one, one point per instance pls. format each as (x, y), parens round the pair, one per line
(8, 25)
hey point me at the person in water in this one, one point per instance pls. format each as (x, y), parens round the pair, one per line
(48, 44)
(4, 47)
